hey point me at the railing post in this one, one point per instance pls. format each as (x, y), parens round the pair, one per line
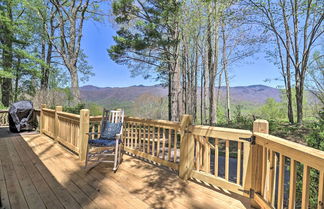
(260, 126)
(41, 119)
(186, 148)
(84, 129)
(56, 121)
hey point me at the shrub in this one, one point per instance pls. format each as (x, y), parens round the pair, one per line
(74, 109)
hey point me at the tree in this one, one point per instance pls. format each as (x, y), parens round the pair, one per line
(70, 17)
(148, 37)
(6, 21)
(18, 58)
(303, 28)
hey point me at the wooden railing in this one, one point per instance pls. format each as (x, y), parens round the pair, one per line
(254, 164)
(221, 157)
(66, 128)
(276, 156)
(48, 117)
(4, 118)
(156, 140)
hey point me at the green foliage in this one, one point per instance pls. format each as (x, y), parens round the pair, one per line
(150, 106)
(316, 137)
(146, 34)
(74, 109)
(2, 107)
(95, 109)
(273, 110)
(4, 74)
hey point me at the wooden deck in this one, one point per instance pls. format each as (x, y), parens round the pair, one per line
(37, 173)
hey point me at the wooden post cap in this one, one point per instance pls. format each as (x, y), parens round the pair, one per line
(261, 126)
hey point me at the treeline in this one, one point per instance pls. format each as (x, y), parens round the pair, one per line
(191, 45)
(40, 48)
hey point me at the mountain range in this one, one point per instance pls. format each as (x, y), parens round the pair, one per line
(253, 94)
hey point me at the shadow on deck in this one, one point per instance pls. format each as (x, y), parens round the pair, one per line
(37, 173)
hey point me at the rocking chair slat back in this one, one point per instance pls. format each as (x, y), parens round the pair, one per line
(112, 116)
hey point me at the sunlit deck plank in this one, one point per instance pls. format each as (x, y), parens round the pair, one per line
(136, 184)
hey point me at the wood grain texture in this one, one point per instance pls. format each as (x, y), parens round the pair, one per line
(60, 181)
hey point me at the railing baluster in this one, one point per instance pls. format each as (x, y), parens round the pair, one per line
(206, 155)
(136, 135)
(169, 145)
(281, 181)
(175, 147)
(320, 201)
(238, 171)
(71, 133)
(126, 134)
(292, 184)
(148, 140)
(227, 160)
(131, 134)
(163, 144)
(197, 154)
(139, 136)
(99, 129)
(274, 178)
(92, 130)
(264, 169)
(158, 143)
(216, 157)
(305, 191)
(271, 176)
(153, 141)
(143, 137)
(200, 154)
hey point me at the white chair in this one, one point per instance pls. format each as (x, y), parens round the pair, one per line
(109, 142)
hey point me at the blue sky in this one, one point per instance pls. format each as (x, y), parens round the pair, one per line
(97, 39)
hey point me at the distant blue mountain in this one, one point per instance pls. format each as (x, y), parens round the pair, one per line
(254, 94)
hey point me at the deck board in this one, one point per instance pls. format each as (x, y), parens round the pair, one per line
(35, 172)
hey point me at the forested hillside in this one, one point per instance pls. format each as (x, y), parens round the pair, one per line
(255, 94)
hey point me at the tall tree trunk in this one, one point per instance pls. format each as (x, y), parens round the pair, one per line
(298, 78)
(17, 79)
(225, 70)
(75, 85)
(195, 87)
(202, 101)
(213, 72)
(218, 93)
(286, 73)
(206, 86)
(289, 93)
(228, 97)
(299, 98)
(7, 58)
(169, 94)
(176, 97)
(44, 70)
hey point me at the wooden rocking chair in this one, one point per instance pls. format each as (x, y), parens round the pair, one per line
(109, 142)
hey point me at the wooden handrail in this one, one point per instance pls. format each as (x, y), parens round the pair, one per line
(310, 156)
(48, 110)
(221, 133)
(69, 115)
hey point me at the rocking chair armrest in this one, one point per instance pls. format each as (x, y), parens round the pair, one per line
(92, 133)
